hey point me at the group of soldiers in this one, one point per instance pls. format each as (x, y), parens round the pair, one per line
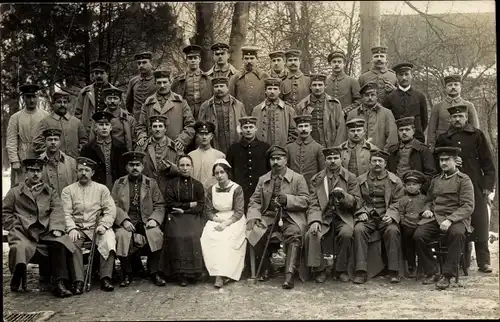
(336, 168)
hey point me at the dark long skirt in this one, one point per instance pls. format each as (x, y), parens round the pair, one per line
(181, 252)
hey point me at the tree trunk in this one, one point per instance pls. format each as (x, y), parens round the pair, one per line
(205, 32)
(239, 31)
(305, 26)
(370, 31)
(87, 50)
(349, 53)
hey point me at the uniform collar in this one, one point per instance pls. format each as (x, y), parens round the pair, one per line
(195, 73)
(58, 117)
(278, 102)
(380, 177)
(338, 76)
(147, 77)
(405, 90)
(445, 176)
(225, 99)
(45, 157)
(451, 100)
(376, 108)
(408, 145)
(223, 69)
(252, 143)
(308, 140)
(107, 140)
(379, 71)
(160, 143)
(320, 99)
(298, 74)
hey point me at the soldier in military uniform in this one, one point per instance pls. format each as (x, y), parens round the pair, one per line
(379, 190)
(74, 135)
(278, 69)
(105, 151)
(222, 67)
(123, 124)
(340, 85)
(247, 158)
(31, 212)
(356, 150)
(381, 127)
(476, 161)
(224, 111)
(140, 212)
(305, 155)
(450, 203)
(275, 117)
(91, 98)
(384, 77)
(410, 153)
(439, 120)
(21, 131)
(171, 105)
(406, 101)
(140, 86)
(296, 86)
(193, 85)
(335, 196)
(286, 189)
(248, 85)
(328, 122)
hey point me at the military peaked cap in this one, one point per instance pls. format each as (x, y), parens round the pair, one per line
(276, 150)
(102, 116)
(29, 88)
(250, 50)
(405, 121)
(247, 120)
(402, 67)
(379, 154)
(457, 109)
(318, 77)
(161, 74)
(452, 79)
(52, 132)
(86, 162)
(332, 151)
(336, 53)
(302, 119)
(32, 163)
(192, 50)
(355, 123)
(447, 151)
(379, 50)
(58, 95)
(219, 46)
(204, 127)
(133, 156)
(158, 118)
(293, 53)
(144, 55)
(368, 86)
(112, 92)
(277, 53)
(414, 175)
(100, 65)
(220, 80)
(272, 82)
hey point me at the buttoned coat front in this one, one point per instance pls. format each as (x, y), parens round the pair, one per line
(305, 157)
(344, 88)
(334, 128)
(152, 207)
(206, 90)
(248, 88)
(236, 111)
(285, 129)
(61, 175)
(85, 106)
(294, 88)
(362, 158)
(180, 120)
(20, 210)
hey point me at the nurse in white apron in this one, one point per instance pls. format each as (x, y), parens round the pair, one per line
(223, 240)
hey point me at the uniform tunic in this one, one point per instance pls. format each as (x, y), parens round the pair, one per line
(380, 125)
(439, 121)
(181, 252)
(73, 136)
(306, 157)
(317, 103)
(381, 77)
(194, 87)
(295, 87)
(409, 103)
(59, 172)
(248, 88)
(275, 126)
(226, 71)
(248, 161)
(404, 158)
(139, 88)
(356, 157)
(281, 75)
(344, 88)
(203, 162)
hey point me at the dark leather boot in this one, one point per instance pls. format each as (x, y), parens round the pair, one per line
(60, 290)
(18, 277)
(106, 284)
(126, 280)
(157, 279)
(292, 257)
(77, 288)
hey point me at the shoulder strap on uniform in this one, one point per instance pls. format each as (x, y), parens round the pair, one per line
(176, 97)
(121, 180)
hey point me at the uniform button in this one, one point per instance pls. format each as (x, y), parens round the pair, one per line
(249, 176)
(249, 152)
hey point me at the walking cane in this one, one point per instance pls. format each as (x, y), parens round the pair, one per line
(278, 214)
(88, 273)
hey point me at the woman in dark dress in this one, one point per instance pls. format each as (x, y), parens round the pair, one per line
(182, 257)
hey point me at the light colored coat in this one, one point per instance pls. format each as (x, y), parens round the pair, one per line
(152, 207)
(61, 176)
(82, 205)
(285, 128)
(20, 210)
(362, 156)
(334, 128)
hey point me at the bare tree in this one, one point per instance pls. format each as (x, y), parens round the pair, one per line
(370, 31)
(204, 36)
(239, 31)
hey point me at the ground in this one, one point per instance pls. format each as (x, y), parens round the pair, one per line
(477, 299)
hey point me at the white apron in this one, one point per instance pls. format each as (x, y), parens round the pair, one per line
(224, 251)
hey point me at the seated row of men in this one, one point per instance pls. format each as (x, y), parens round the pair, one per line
(335, 204)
